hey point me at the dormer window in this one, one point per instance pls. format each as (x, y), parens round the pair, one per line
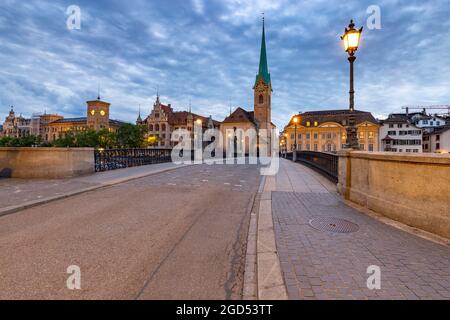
(308, 124)
(316, 123)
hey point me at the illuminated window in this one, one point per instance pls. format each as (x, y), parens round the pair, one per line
(361, 135)
(308, 124)
(316, 123)
(371, 135)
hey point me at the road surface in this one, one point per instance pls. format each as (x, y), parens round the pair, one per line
(176, 235)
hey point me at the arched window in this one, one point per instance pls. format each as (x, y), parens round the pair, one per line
(261, 99)
(163, 127)
(157, 127)
(150, 127)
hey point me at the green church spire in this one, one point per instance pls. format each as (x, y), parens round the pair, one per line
(263, 72)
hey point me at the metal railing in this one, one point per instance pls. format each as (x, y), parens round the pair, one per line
(113, 159)
(325, 163)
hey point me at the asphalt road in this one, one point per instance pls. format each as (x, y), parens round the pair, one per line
(176, 235)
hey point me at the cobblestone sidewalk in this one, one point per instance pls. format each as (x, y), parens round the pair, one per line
(320, 264)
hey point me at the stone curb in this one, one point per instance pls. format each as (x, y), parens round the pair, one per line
(13, 209)
(270, 279)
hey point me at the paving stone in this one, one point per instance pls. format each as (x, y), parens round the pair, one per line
(411, 267)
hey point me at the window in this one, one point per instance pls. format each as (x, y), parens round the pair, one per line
(392, 133)
(316, 123)
(150, 127)
(157, 127)
(308, 124)
(431, 123)
(261, 99)
(292, 136)
(361, 147)
(163, 127)
(361, 135)
(400, 125)
(329, 135)
(371, 135)
(308, 136)
(438, 146)
(308, 146)
(316, 136)
(438, 123)
(438, 137)
(391, 125)
(315, 147)
(299, 135)
(370, 147)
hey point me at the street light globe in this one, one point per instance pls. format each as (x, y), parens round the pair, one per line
(351, 38)
(199, 121)
(295, 120)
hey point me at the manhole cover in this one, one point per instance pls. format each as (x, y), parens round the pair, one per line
(333, 225)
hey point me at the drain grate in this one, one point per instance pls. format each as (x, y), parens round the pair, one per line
(333, 225)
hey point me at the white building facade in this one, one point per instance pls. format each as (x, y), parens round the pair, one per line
(398, 134)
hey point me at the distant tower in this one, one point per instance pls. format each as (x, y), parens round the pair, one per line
(263, 89)
(139, 119)
(98, 114)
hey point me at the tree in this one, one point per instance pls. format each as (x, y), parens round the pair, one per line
(131, 136)
(67, 140)
(24, 141)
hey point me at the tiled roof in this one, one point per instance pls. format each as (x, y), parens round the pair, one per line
(67, 120)
(338, 116)
(240, 115)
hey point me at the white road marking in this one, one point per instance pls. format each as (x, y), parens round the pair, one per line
(238, 185)
(227, 183)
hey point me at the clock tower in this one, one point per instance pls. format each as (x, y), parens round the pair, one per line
(97, 114)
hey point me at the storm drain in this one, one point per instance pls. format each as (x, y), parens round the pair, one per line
(333, 225)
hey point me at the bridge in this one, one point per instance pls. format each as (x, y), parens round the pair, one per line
(151, 229)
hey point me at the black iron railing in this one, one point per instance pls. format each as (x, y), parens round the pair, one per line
(325, 163)
(113, 159)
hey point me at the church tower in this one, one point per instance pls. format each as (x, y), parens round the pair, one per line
(263, 89)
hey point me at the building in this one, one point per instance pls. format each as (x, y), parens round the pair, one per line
(325, 131)
(261, 116)
(399, 134)
(163, 120)
(426, 122)
(438, 140)
(53, 126)
(15, 126)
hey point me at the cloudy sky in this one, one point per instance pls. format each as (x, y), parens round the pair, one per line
(207, 51)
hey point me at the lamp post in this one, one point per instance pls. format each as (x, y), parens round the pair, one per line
(294, 154)
(351, 39)
(285, 144)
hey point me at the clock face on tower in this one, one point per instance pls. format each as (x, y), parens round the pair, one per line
(103, 112)
(92, 112)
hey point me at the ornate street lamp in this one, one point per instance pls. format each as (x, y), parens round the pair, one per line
(295, 132)
(351, 39)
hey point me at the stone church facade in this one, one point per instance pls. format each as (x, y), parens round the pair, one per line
(261, 116)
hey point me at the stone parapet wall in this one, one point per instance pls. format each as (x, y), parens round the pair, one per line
(410, 188)
(46, 163)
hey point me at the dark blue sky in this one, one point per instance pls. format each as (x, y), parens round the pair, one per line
(207, 51)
